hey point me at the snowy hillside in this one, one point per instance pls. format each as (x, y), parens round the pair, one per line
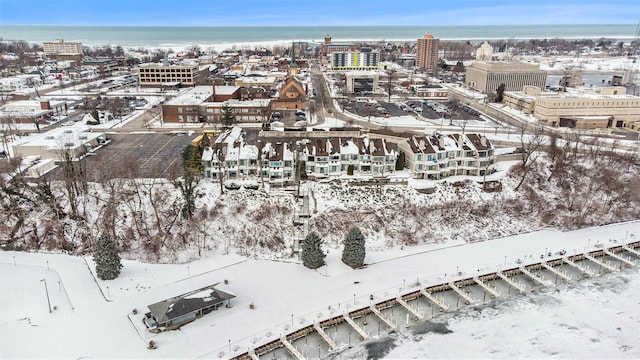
(565, 188)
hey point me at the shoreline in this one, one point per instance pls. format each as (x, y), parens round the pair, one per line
(222, 37)
(223, 46)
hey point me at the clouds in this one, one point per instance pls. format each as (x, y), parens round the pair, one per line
(309, 12)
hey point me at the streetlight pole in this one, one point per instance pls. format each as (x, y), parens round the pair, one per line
(47, 292)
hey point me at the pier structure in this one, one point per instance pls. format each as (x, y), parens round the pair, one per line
(487, 283)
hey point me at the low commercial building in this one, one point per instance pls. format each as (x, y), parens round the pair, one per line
(487, 76)
(253, 81)
(524, 100)
(199, 104)
(30, 111)
(362, 81)
(434, 92)
(224, 93)
(185, 108)
(608, 107)
(103, 66)
(165, 74)
(247, 111)
(66, 142)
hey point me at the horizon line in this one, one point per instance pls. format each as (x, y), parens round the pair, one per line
(346, 26)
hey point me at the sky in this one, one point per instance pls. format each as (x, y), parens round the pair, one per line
(310, 12)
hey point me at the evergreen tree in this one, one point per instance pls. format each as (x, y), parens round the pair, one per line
(500, 93)
(350, 170)
(400, 161)
(302, 170)
(312, 254)
(192, 159)
(354, 250)
(193, 168)
(106, 258)
(228, 119)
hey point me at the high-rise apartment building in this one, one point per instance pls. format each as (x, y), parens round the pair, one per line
(61, 47)
(365, 59)
(427, 52)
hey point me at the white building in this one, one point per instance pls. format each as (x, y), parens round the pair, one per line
(355, 60)
(20, 83)
(61, 47)
(439, 156)
(484, 52)
(337, 152)
(56, 144)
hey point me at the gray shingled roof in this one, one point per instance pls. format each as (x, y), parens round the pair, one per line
(175, 307)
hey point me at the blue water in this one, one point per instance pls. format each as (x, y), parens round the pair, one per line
(158, 36)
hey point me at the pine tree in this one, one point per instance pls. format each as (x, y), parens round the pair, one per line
(312, 254)
(228, 119)
(500, 93)
(106, 258)
(354, 250)
(400, 161)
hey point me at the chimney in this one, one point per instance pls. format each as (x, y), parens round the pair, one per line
(460, 141)
(441, 142)
(483, 140)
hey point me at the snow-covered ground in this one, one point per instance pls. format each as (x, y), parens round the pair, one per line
(95, 318)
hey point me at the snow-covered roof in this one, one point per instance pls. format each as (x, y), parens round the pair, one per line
(62, 137)
(193, 96)
(239, 103)
(175, 307)
(225, 89)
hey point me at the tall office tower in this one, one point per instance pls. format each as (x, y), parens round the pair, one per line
(427, 52)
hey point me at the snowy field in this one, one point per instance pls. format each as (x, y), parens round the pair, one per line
(95, 319)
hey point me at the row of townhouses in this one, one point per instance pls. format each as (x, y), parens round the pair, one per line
(275, 155)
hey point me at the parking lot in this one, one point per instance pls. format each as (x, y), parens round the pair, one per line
(136, 155)
(154, 153)
(413, 108)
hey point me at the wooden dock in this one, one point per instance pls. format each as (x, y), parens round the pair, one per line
(491, 291)
(381, 316)
(409, 308)
(324, 336)
(443, 306)
(510, 282)
(355, 327)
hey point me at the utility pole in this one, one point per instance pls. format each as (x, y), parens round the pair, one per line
(47, 292)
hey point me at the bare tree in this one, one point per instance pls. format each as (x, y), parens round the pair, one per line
(391, 73)
(571, 76)
(530, 145)
(220, 152)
